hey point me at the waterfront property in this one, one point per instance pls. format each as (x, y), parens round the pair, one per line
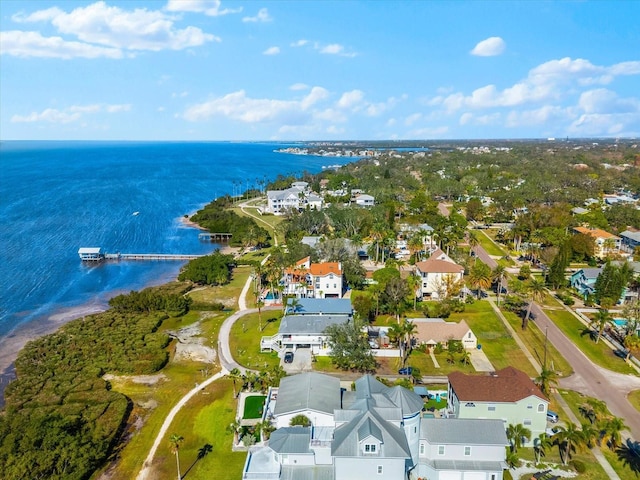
(313, 280)
(91, 254)
(508, 395)
(374, 431)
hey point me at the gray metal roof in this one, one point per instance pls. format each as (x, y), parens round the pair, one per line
(369, 429)
(632, 235)
(346, 441)
(324, 306)
(463, 431)
(291, 440)
(313, 391)
(466, 465)
(367, 387)
(309, 324)
(306, 472)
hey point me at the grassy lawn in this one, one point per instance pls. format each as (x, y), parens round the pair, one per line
(552, 456)
(599, 353)
(634, 399)
(497, 343)
(244, 340)
(574, 400)
(203, 422)
(226, 294)
(152, 403)
(488, 244)
(535, 341)
(424, 362)
(253, 406)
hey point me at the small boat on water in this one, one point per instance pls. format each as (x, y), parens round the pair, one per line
(135, 214)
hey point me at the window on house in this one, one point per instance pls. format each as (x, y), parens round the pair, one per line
(527, 421)
(422, 449)
(491, 408)
(379, 469)
(331, 276)
(467, 451)
(529, 407)
(541, 408)
(494, 477)
(469, 404)
(369, 448)
(440, 449)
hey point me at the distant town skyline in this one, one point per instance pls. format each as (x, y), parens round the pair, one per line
(318, 70)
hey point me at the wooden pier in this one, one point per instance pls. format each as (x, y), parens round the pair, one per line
(95, 254)
(214, 237)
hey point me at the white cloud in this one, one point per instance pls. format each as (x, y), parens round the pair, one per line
(272, 51)
(299, 43)
(299, 86)
(334, 49)
(331, 115)
(33, 44)
(70, 114)
(208, 7)
(413, 118)
(352, 99)
(602, 100)
(489, 47)
(237, 106)
(262, 16)
(138, 29)
(538, 116)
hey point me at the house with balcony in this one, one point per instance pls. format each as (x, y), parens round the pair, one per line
(296, 197)
(439, 276)
(605, 243)
(304, 325)
(373, 431)
(462, 449)
(313, 280)
(508, 395)
(584, 280)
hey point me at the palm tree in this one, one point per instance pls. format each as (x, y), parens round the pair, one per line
(540, 445)
(546, 380)
(498, 275)
(408, 330)
(234, 428)
(473, 243)
(465, 357)
(569, 439)
(590, 434)
(611, 429)
(629, 454)
(512, 459)
(593, 409)
(480, 277)
(516, 434)
(600, 321)
(235, 375)
(175, 441)
(536, 291)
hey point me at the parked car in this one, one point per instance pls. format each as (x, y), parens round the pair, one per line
(288, 357)
(552, 431)
(621, 353)
(552, 416)
(405, 371)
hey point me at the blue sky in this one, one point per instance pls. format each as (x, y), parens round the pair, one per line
(318, 70)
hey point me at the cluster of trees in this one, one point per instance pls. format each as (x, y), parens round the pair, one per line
(61, 418)
(214, 269)
(350, 349)
(216, 217)
(151, 300)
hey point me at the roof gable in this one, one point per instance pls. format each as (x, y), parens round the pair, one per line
(506, 385)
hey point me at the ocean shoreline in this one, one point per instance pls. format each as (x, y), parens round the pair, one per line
(16, 339)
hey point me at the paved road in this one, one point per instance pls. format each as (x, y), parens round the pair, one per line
(483, 255)
(591, 379)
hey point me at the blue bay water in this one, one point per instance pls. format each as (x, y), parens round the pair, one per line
(56, 197)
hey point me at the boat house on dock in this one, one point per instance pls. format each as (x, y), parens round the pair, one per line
(91, 254)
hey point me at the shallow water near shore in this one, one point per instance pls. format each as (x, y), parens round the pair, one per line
(56, 197)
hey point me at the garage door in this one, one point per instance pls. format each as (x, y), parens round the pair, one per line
(474, 476)
(450, 475)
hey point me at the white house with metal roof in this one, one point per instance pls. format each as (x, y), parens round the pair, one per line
(305, 322)
(462, 449)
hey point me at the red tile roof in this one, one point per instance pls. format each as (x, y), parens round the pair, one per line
(322, 269)
(506, 385)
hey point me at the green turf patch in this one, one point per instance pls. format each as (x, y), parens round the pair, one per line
(253, 406)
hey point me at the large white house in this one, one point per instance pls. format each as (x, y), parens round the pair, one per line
(508, 395)
(373, 432)
(439, 275)
(296, 197)
(313, 280)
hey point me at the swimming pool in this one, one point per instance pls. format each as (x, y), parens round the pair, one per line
(620, 322)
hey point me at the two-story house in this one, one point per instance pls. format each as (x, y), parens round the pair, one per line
(605, 243)
(584, 280)
(305, 323)
(372, 432)
(508, 395)
(439, 276)
(313, 280)
(462, 449)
